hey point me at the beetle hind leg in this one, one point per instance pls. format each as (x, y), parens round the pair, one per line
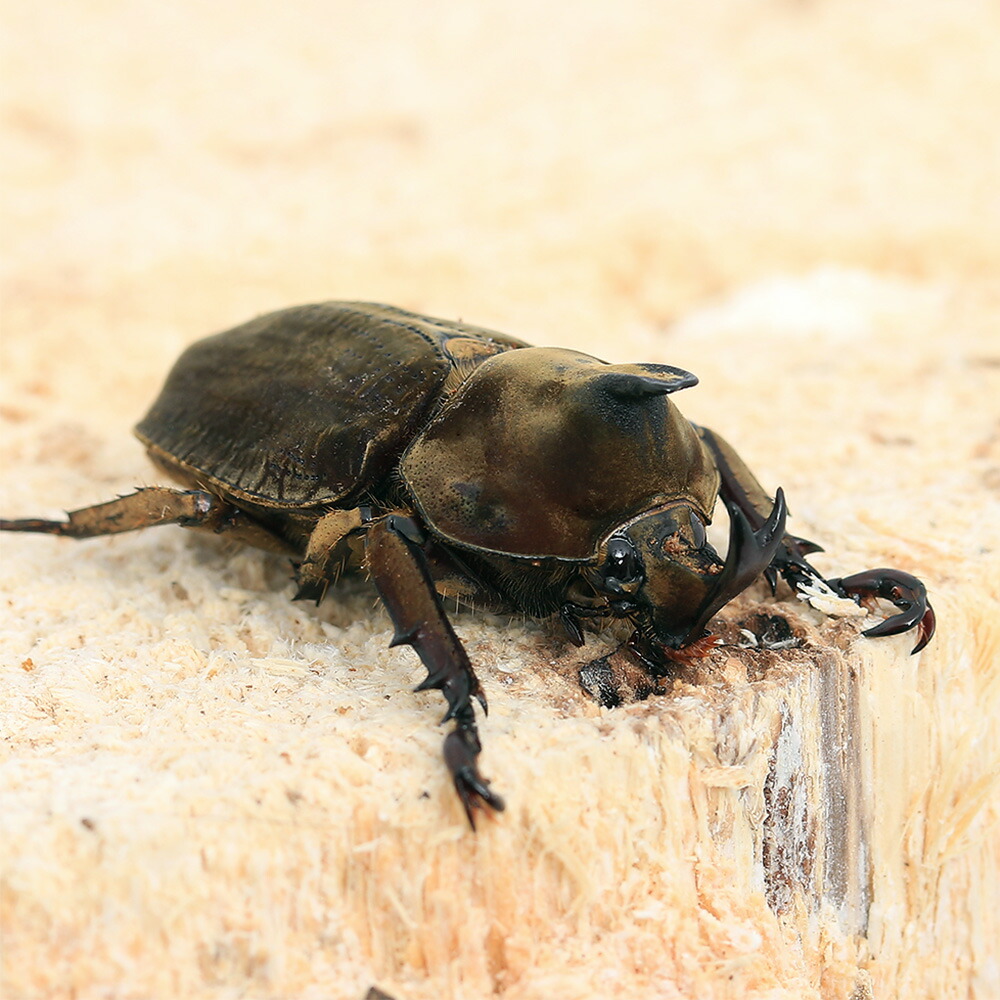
(395, 559)
(145, 508)
(150, 506)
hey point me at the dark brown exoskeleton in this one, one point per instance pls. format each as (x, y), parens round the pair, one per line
(448, 458)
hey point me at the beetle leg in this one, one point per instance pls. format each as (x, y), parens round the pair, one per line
(906, 592)
(395, 559)
(326, 553)
(570, 618)
(151, 506)
(571, 615)
(738, 486)
(581, 602)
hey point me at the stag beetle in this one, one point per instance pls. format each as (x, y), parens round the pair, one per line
(449, 459)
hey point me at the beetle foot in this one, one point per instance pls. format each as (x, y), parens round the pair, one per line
(461, 748)
(906, 592)
(572, 616)
(309, 589)
(457, 688)
(571, 623)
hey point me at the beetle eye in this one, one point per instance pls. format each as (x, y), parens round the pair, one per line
(622, 562)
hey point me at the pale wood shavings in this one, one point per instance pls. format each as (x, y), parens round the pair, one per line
(823, 598)
(208, 791)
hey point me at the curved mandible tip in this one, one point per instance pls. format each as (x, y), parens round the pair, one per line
(750, 553)
(905, 591)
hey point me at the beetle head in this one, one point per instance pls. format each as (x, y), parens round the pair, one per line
(660, 569)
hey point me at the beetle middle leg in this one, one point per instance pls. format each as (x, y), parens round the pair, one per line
(151, 506)
(327, 552)
(399, 570)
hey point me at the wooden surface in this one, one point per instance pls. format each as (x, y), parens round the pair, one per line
(210, 791)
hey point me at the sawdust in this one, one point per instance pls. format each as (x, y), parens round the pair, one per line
(211, 791)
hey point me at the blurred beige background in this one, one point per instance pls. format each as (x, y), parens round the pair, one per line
(796, 199)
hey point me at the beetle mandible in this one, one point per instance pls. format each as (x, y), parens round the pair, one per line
(544, 480)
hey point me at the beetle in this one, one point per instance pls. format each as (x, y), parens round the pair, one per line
(448, 459)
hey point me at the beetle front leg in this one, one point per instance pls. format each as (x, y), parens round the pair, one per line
(395, 559)
(327, 552)
(739, 486)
